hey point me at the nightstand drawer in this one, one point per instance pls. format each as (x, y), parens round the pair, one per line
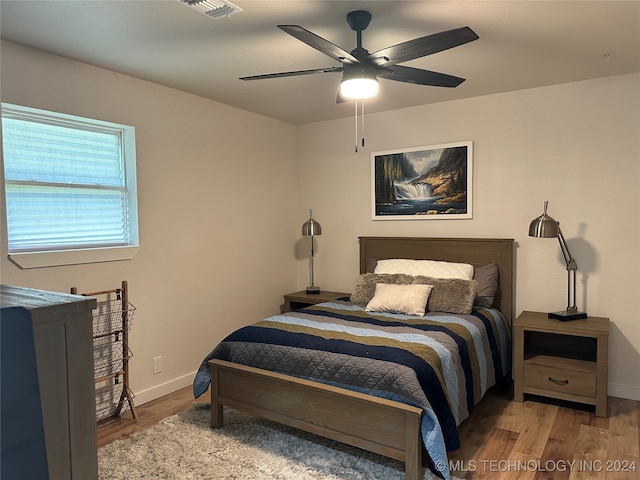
(560, 380)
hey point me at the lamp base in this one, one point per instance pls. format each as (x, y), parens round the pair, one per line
(566, 315)
(313, 290)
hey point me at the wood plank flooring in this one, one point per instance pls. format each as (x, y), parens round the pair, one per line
(503, 439)
(148, 415)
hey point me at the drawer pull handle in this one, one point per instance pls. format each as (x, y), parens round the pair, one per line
(559, 382)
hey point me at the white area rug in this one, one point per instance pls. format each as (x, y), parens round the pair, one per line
(184, 446)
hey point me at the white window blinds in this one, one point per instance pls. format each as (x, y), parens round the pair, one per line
(66, 182)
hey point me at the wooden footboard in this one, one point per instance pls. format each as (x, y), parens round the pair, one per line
(381, 426)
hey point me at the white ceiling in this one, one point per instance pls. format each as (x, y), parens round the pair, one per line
(523, 44)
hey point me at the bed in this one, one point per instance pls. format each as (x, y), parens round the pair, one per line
(409, 411)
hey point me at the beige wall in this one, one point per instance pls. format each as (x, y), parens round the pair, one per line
(576, 145)
(202, 271)
(217, 221)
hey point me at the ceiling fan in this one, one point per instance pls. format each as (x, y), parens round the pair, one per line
(362, 68)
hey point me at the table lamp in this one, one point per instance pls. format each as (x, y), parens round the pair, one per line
(311, 228)
(546, 227)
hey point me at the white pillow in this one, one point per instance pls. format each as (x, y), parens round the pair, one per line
(427, 268)
(408, 299)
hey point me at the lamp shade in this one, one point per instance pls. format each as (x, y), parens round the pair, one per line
(311, 227)
(543, 226)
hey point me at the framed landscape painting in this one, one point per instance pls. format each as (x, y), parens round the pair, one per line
(423, 183)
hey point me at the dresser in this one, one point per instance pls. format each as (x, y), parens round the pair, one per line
(63, 332)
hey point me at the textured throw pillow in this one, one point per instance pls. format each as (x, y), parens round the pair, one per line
(450, 295)
(428, 268)
(487, 277)
(366, 286)
(407, 299)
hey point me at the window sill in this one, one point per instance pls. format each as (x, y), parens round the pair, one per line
(72, 257)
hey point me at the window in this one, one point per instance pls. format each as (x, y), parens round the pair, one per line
(70, 188)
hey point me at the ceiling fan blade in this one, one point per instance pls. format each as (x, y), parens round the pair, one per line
(421, 77)
(423, 46)
(293, 74)
(319, 43)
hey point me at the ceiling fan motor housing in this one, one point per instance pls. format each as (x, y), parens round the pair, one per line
(358, 70)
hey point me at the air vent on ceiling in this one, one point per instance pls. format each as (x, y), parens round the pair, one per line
(213, 8)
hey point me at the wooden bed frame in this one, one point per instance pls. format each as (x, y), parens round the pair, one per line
(381, 426)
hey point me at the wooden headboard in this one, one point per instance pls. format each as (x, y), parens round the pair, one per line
(476, 251)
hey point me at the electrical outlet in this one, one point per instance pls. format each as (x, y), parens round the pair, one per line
(157, 365)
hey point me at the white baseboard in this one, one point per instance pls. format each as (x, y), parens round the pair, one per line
(629, 392)
(165, 388)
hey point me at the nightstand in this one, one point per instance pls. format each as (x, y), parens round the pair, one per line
(302, 299)
(563, 360)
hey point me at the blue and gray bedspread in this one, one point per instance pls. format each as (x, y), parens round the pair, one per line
(441, 362)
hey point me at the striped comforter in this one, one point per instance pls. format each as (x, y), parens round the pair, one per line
(442, 363)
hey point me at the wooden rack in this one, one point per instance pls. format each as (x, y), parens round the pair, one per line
(112, 319)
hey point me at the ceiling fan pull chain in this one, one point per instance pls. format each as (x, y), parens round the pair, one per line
(362, 123)
(356, 126)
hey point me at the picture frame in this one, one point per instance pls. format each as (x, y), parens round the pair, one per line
(423, 183)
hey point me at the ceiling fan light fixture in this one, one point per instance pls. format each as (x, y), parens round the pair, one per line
(359, 87)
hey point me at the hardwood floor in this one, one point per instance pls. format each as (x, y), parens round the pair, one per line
(148, 415)
(532, 440)
(502, 439)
